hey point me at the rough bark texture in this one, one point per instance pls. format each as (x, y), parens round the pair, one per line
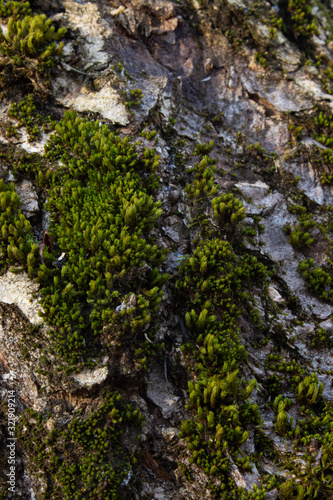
(207, 71)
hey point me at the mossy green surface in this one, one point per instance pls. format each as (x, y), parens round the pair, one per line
(217, 280)
(16, 241)
(31, 38)
(102, 212)
(107, 293)
(29, 48)
(317, 278)
(86, 459)
(14, 9)
(25, 114)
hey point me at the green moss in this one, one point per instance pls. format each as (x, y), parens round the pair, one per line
(215, 282)
(86, 458)
(283, 423)
(262, 59)
(320, 338)
(299, 237)
(15, 9)
(132, 98)
(313, 433)
(228, 209)
(102, 212)
(309, 391)
(25, 112)
(321, 130)
(317, 278)
(29, 46)
(202, 185)
(204, 150)
(32, 38)
(297, 21)
(289, 372)
(16, 242)
(148, 134)
(31, 166)
(301, 18)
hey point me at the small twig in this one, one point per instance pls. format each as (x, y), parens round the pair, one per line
(182, 326)
(41, 251)
(48, 240)
(166, 366)
(147, 338)
(66, 66)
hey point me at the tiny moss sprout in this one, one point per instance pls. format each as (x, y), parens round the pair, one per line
(228, 209)
(148, 134)
(283, 422)
(261, 59)
(133, 98)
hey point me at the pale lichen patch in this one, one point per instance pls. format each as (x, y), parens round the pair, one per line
(19, 289)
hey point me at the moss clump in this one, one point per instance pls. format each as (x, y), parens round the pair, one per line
(302, 22)
(313, 434)
(16, 242)
(29, 46)
(228, 209)
(102, 211)
(25, 113)
(309, 391)
(217, 282)
(261, 59)
(289, 372)
(321, 338)
(14, 9)
(85, 459)
(283, 423)
(31, 38)
(32, 166)
(133, 98)
(317, 278)
(322, 126)
(299, 237)
(202, 185)
(297, 21)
